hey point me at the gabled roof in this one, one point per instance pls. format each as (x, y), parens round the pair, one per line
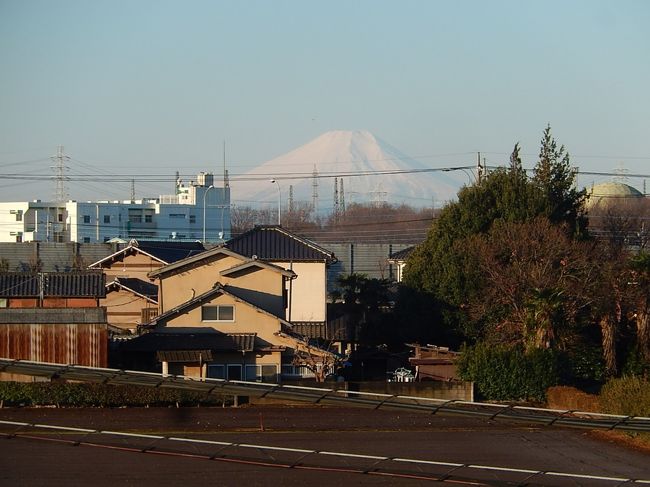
(401, 255)
(272, 242)
(144, 289)
(163, 252)
(189, 261)
(177, 342)
(206, 296)
(259, 264)
(52, 284)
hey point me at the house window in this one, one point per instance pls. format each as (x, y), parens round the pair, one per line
(60, 217)
(86, 239)
(262, 373)
(19, 216)
(107, 218)
(148, 218)
(135, 215)
(234, 372)
(177, 215)
(192, 218)
(217, 371)
(218, 313)
(19, 238)
(3, 302)
(225, 371)
(86, 218)
(295, 371)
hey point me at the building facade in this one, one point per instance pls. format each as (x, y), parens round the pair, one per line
(198, 211)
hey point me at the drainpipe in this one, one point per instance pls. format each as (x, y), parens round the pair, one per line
(290, 291)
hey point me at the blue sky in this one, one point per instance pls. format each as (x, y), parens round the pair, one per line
(151, 87)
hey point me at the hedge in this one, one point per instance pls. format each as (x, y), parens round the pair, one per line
(627, 395)
(503, 373)
(98, 395)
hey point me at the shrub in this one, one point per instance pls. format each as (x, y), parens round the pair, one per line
(505, 374)
(628, 395)
(98, 395)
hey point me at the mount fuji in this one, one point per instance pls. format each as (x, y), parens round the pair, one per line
(372, 171)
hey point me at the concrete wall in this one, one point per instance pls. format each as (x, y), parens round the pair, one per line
(448, 391)
(247, 320)
(308, 300)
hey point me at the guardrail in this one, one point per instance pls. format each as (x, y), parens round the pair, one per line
(314, 395)
(296, 458)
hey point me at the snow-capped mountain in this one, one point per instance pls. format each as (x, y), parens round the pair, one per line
(372, 171)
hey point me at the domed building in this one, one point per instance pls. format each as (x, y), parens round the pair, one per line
(611, 193)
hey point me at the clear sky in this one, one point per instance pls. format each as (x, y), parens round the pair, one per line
(148, 87)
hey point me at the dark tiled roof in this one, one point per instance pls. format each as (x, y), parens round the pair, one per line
(218, 342)
(276, 244)
(171, 251)
(217, 289)
(402, 254)
(138, 286)
(184, 356)
(54, 284)
(165, 252)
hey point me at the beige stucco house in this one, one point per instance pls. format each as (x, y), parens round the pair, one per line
(132, 297)
(222, 315)
(307, 291)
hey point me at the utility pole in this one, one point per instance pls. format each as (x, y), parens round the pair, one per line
(479, 168)
(341, 198)
(225, 171)
(133, 191)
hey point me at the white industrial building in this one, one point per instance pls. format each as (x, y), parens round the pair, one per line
(198, 211)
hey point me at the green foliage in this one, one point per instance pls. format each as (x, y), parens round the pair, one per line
(585, 366)
(627, 395)
(503, 373)
(97, 395)
(555, 178)
(443, 268)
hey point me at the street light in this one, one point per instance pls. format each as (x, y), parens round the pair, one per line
(279, 199)
(204, 195)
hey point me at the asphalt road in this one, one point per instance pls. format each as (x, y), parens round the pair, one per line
(32, 462)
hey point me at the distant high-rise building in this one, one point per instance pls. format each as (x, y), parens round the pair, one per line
(198, 211)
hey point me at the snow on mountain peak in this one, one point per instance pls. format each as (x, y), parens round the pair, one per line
(372, 171)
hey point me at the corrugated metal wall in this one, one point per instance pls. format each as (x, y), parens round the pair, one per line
(370, 259)
(81, 343)
(53, 257)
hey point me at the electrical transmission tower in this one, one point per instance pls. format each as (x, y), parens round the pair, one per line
(314, 191)
(61, 195)
(336, 199)
(291, 198)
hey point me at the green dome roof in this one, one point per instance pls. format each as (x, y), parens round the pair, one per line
(611, 192)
